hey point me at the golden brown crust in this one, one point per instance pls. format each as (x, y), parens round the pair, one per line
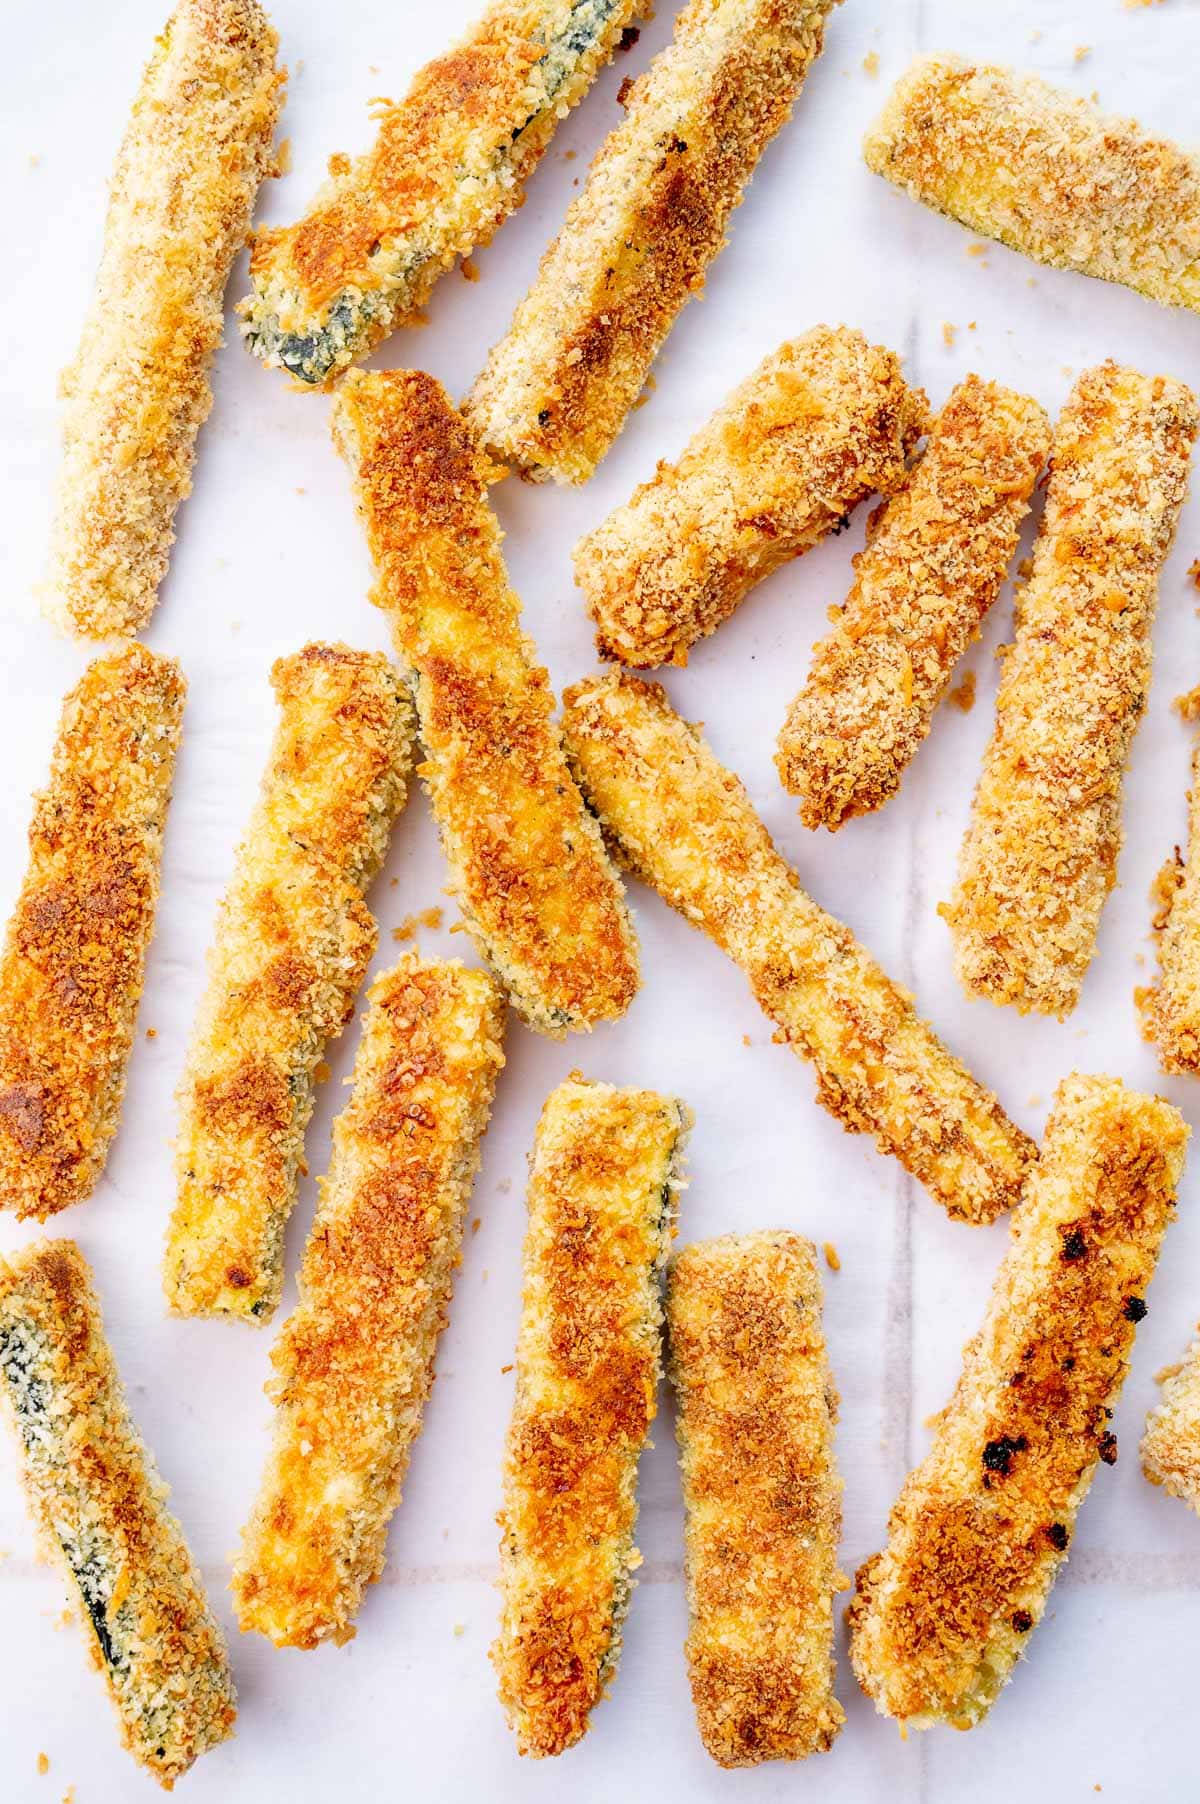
(1171, 1008)
(75, 953)
(755, 1408)
(1171, 1443)
(983, 1524)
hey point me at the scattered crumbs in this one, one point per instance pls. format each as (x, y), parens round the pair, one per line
(628, 38)
(623, 91)
(574, 181)
(1031, 281)
(459, 927)
(507, 1368)
(152, 1033)
(1025, 569)
(65, 1620)
(1187, 705)
(746, 1040)
(831, 1257)
(1165, 1372)
(459, 1627)
(298, 66)
(871, 63)
(425, 917)
(34, 159)
(469, 270)
(235, 626)
(475, 1225)
(283, 158)
(373, 68)
(1035, 37)
(43, 1764)
(1194, 572)
(323, 1072)
(970, 325)
(569, 156)
(300, 489)
(1134, 6)
(504, 1186)
(394, 882)
(1067, 369)
(483, 1280)
(1035, 1101)
(949, 334)
(69, 1795)
(1082, 51)
(1139, 958)
(962, 696)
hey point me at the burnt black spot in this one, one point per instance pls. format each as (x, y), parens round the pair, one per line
(1133, 1309)
(1058, 1536)
(544, 416)
(1074, 1246)
(1068, 1364)
(842, 525)
(998, 1454)
(1108, 1448)
(629, 38)
(1022, 1621)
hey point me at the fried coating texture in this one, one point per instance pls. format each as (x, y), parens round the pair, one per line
(685, 825)
(982, 1525)
(1171, 1443)
(1170, 1009)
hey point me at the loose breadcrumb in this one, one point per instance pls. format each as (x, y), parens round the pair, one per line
(430, 918)
(962, 696)
(43, 1765)
(870, 63)
(832, 1258)
(1171, 1443)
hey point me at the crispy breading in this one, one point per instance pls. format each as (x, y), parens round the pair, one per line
(824, 421)
(1170, 1009)
(685, 825)
(449, 164)
(982, 1525)
(355, 1361)
(75, 952)
(292, 944)
(1040, 852)
(99, 1507)
(1046, 173)
(934, 562)
(527, 863)
(755, 1409)
(1171, 1443)
(639, 237)
(197, 146)
(602, 1205)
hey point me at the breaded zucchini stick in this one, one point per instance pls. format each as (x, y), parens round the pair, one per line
(1046, 173)
(197, 147)
(1171, 1443)
(685, 825)
(933, 565)
(1040, 852)
(982, 1525)
(755, 1409)
(75, 953)
(354, 1363)
(1170, 1010)
(637, 241)
(99, 1507)
(602, 1205)
(823, 422)
(447, 168)
(292, 944)
(527, 863)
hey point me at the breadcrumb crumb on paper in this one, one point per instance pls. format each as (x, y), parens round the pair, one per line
(1171, 1443)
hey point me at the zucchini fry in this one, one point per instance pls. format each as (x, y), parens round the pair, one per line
(1040, 852)
(602, 1205)
(823, 422)
(755, 1408)
(1046, 173)
(983, 1524)
(99, 1507)
(1170, 1009)
(527, 863)
(448, 166)
(183, 192)
(933, 565)
(292, 944)
(637, 241)
(1171, 1443)
(685, 825)
(355, 1361)
(75, 953)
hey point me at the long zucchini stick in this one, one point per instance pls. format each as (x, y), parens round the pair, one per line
(637, 241)
(824, 421)
(355, 1361)
(75, 953)
(138, 392)
(99, 1507)
(1170, 1009)
(755, 1409)
(1046, 173)
(933, 565)
(983, 1524)
(292, 944)
(685, 825)
(527, 863)
(1171, 1443)
(448, 166)
(602, 1205)
(1040, 853)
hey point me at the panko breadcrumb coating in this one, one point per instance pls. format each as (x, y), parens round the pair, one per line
(685, 825)
(527, 863)
(354, 1363)
(1040, 853)
(983, 1524)
(934, 562)
(138, 392)
(755, 1409)
(639, 237)
(1171, 1008)
(293, 941)
(75, 953)
(1046, 173)
(99, 1508)
(824, 421)
(602, 1205)
(1171, 1443)
(448, 166)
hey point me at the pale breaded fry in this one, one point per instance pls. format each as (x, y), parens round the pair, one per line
(355, 1361)
(602, 1205)
(1171, 1443)
(1170, 1009)
(183, 191)
(527, 863)
(75, 953)
(1046, 173)
(448, 166)
(99, 1507)
(824, 421)
(1040, 852)
(638, 239)
(292, 944)
(685, 825)
(934, 562)
(755, 1409)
